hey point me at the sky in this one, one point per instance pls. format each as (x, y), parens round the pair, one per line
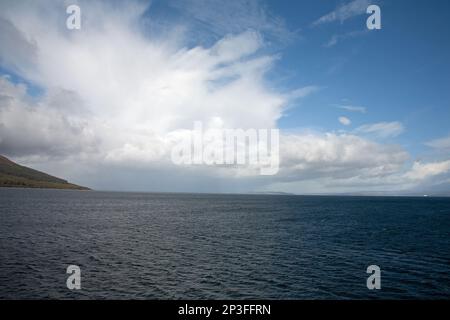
(358, 110)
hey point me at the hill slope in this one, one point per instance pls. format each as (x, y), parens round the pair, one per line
(14, 175)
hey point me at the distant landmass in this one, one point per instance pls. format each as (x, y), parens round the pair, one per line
(16, 176)
(279, 193)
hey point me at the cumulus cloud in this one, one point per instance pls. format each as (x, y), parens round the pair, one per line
(421, 171)
(345, 121)
(338, 155)
(142, 87)
(117, 95)
(28, 127)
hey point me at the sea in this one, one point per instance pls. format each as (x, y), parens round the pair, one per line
(221, 246)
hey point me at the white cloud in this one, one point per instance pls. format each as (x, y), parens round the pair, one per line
(382, 129)
(344, 12)
(138, 86)
(27, 127)
(335, 39)
(421, 171)
(117, 95)
(353, 108)
(18, 51)
(333, 155)
(302, 92)
(345, 121)
(441, 144)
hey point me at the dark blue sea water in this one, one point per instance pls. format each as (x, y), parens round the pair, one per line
(172, 246)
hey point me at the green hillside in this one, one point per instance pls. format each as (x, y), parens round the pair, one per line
(14, 175)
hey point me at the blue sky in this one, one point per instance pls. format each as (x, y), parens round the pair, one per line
(400, 73)
(359, 110)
